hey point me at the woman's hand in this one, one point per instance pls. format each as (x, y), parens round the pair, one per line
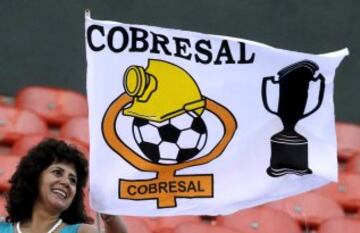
(107, 217)
(113, 224)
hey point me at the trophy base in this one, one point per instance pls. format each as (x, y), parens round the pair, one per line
(289, 155)
(276, 172)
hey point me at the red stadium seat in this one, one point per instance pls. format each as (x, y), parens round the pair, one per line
(346, 192)
(55, 105)
(162, 224)
(3, 212)
(16, 123)
(136, 225)
(54, 131)
(340, 225)
(260, 219)
(5, 149)
(348, 140)
(77, 145)
(8, 165)
(203, 228)
(353, 165)
(24, 144)
(76, 129)
(309, 209)
(88, 209)
(7, 101)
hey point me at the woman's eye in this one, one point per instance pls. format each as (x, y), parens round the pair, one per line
(73, 181)
(56, 172)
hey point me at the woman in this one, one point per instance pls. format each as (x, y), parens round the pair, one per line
(46, 193)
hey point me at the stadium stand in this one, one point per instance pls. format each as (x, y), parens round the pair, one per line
(88, 208)
(136, 225)
(77, 144)
(2, 207)
(7, 101)
(340, 225)
(260, 219)
(40, 112)
(16, 123)
(202, 228)
(309, 209)
(55, 105)
(169, 224)
(353, 165)
(348, 140)
(346, 191)
(21, 146)
(76, 128)
(7, 168)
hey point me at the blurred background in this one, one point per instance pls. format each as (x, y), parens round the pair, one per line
(43, 80)
(42, 42)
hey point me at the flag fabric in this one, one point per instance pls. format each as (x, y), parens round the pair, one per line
(185, 123)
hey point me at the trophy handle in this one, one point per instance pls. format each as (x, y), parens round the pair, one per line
(321, 95)
(263, 93)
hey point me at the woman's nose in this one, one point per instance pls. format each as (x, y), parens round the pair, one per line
(65, 181)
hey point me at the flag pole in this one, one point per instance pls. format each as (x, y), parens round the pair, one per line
(87, 13)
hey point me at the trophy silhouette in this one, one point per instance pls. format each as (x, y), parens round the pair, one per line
(289, 149)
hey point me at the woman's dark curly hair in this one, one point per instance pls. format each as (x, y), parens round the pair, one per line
(25, 181)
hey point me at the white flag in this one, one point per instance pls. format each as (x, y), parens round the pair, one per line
(189, 123)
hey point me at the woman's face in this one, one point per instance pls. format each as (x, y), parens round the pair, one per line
(57, 186)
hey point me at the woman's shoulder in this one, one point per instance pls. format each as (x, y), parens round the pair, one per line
(71, 228)
(6, 227)
(78, 228)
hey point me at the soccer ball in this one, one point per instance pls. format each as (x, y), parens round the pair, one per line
(172, 141)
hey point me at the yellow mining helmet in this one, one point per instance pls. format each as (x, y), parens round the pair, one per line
(161, 91)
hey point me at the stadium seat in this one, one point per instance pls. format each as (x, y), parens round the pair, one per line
(340, 225)
(260, 219)
(136, 225)
(91, 213)
(54, 131)
(22, 146)
(7, 101)
(309, 209)
(77, 145)
(7, 168)
(3, 211)
(5, 149)
(76, 129)
(55, 105)
(346, 191)
(163, 224)
(348, 140)
(353, 165)
(16, 123)
(203, 228)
